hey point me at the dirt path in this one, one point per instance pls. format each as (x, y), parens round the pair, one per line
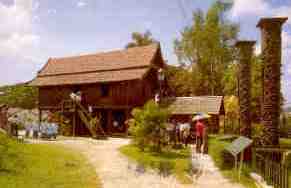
(116, 171)
(208, 174)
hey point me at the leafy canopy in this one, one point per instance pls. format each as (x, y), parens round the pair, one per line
(141, 39)
(19, 95)
(206, 49)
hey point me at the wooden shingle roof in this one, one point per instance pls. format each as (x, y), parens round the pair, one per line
(128, 64)
(197, 104)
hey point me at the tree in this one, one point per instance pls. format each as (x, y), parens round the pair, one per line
(232, 113)
(205, 46)
(180, 81)
(141, 39)
(149, 125)
(19, 95)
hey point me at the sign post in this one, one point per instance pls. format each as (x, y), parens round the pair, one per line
(237, 147)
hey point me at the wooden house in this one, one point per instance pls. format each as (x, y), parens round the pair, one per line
(111, 84)
(184, 108)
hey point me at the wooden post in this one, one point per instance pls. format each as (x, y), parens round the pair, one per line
(39, 118)
(109, 122)
(74, 120)
(127, 116)
(241, 164)
(62, 113)
(235, 162)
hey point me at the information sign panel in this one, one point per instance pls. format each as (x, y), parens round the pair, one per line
(238, 145)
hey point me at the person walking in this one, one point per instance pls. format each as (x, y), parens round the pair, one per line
(27, 130)
(177, 133)
(35, 131)
(205, 137)
(199, 135)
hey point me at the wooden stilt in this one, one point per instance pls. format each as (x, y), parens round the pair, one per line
(109, 122)
(62, 113)
(39, 118)
(240, 164)
(74, 121)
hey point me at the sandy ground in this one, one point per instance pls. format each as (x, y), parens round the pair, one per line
(116, 171)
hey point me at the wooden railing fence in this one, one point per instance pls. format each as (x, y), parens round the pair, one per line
(270, 163)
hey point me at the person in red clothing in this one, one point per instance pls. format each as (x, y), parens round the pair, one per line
(199, 135)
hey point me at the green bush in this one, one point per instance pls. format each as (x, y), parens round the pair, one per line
(8, 150)
(148, 127)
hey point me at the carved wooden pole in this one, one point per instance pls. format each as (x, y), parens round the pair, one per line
(271, 29)
(245, 51)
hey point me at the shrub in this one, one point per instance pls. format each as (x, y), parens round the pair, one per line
(148, 127)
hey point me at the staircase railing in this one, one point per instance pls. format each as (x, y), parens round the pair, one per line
(88, 115)
(85, 116)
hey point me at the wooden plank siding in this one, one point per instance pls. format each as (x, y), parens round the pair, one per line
(127, 93)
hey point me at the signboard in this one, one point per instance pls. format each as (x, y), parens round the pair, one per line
(238, 145)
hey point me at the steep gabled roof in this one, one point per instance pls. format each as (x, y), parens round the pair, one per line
(197, 104)
(128, 64)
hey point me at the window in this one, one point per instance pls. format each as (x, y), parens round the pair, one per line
(104, 90)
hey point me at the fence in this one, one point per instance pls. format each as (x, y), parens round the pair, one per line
(270, 164)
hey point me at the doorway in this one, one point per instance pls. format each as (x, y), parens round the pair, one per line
(118, 121)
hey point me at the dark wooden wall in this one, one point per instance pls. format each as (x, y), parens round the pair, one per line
(125, 93)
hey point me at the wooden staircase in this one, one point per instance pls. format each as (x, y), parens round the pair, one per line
(94, 127)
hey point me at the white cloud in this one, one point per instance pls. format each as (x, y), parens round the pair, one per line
(244, 9)
(17, 38)
(283, 11)
(286, 50)
(81, 4)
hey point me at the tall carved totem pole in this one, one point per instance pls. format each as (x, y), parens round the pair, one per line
(245, 51)
(271, 29)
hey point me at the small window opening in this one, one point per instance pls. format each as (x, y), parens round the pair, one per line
(104, 90)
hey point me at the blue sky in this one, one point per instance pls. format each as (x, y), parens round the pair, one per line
(31, 31)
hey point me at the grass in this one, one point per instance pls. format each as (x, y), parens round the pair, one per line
(44, 166)
(216, 146)
(179, 160)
